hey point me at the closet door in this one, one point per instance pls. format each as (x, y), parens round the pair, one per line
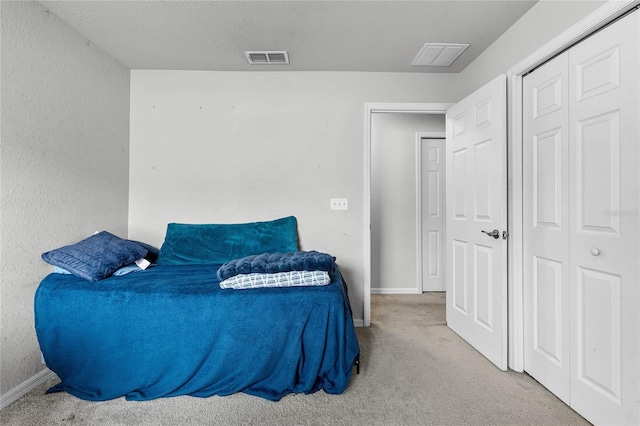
(546, 231)
(581, 187)
(604, 136)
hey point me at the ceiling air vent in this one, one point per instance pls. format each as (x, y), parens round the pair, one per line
(264, 57)
(438, 54)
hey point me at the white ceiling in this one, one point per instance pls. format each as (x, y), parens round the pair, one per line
(379, 36)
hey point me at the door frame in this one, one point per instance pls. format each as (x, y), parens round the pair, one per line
(371, 108)
(515, 291)
(419, 236)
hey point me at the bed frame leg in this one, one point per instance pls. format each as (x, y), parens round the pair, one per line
(357, 364)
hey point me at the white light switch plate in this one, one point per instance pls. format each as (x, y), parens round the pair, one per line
(339, 204)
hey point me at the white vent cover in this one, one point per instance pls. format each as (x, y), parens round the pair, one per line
(438, 54)
(270, 57)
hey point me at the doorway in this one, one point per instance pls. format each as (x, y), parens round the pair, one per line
(396, 199)
(370, 110)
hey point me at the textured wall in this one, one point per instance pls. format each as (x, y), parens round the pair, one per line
(64, 161)
(236, 147)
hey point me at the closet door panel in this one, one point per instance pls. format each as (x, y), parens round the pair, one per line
(597, 160)
(604, 138)
(546, 226)
(598, 332)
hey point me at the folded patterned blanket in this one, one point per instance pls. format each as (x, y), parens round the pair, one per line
(271, 263)
(279, 279)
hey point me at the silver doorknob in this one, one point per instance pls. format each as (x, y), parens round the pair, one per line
(495, 233)
(595, 251)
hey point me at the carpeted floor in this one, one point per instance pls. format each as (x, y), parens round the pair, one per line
(414, 371)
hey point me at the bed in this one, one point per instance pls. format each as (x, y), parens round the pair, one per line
(171, 329)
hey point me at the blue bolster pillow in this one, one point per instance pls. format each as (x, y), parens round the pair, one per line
(211, 244)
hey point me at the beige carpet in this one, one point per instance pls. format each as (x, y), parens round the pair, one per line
(415, 371)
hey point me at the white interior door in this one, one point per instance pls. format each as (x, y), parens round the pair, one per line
(433, 177)
(581, 136)
(476, 206)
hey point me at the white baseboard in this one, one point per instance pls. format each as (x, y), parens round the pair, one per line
(358, 322)
(25, 387)
(408, 290)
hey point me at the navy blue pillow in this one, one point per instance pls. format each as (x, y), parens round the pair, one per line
(215, 244)
(96, 257)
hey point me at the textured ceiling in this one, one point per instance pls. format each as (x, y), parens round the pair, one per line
(378, 36)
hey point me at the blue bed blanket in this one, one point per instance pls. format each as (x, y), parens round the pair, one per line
(171, 330)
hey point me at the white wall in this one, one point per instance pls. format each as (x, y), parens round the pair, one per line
(393, 198)
(223, 147)
(544, 21)
(64, 162)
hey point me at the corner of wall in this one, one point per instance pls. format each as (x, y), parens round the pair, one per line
(64, 154)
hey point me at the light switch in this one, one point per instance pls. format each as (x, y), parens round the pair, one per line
(339, 204)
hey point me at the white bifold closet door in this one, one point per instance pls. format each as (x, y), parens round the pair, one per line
(581, 167)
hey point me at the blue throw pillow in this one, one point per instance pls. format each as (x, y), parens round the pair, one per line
(213, 244)
(96, 257)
